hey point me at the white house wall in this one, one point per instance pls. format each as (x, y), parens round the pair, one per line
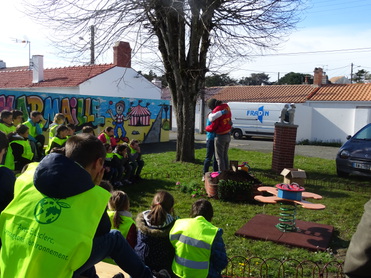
(334, 121)
(120, 82)
(303, 114)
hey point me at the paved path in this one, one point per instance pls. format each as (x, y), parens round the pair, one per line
(260, 145)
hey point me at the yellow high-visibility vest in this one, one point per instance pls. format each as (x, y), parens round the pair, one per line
(192, 239)
(57, 140)
(125, 225)
(48, 237)
(27, 153)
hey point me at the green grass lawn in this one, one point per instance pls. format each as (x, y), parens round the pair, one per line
(344, 200)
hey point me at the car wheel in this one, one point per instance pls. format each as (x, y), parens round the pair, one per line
(237, 134)
(342, 174)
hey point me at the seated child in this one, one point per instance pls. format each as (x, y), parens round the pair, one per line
(72, 129)
(136, 161)
(111, 165)
(107, 136)
(121, 218)
(6, 122)
(125, 169)
(17, 117)
(60, 139)
(19, 152)
(88, 129)
(58, 120)
(153, 243)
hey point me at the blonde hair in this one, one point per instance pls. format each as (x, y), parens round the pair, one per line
(118, 201)
(59, 117)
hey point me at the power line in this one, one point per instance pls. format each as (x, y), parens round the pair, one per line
(316, 52)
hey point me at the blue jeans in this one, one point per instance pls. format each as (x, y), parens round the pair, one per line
(221, 150)
(210, 155)
(114, 245)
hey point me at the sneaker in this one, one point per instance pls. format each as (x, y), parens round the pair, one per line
(203, 178)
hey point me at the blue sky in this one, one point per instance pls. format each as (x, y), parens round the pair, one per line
(327, 26)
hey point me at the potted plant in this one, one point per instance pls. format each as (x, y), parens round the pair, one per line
(232, 186)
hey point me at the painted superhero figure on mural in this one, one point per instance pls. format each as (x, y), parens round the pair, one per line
(118, 121)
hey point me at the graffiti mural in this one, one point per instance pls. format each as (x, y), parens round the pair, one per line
(129, 117)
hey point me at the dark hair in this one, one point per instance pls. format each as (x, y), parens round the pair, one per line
(108, 129)
(17, 113)
(60, 129)
(203, 208)
(21, 129)
(119, 200)
(4, 143)
(84, 149)
(121, 147)
(71, 126)
(162, 204)
(107, 146)
(5, 114)
(35, 113)
(87, 129)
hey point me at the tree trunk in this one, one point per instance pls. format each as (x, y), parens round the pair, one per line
(186, 132)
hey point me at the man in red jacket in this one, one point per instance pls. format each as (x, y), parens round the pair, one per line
(222, 127)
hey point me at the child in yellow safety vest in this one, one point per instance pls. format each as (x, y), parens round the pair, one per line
(59, 140)
(121, 218)
(19, 152)
(58, 120)
(6, 122)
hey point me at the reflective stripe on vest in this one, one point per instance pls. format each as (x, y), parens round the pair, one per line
(192, 239)
(125, 225)
(46, 237)
(27, 153)
(57, 140)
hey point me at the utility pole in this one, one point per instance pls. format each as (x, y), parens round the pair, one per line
(351, 73)
(92, 45)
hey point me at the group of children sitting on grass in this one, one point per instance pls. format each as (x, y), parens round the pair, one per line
(157, 235)
(123, 163)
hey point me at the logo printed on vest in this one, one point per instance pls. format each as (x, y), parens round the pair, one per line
(47, 210)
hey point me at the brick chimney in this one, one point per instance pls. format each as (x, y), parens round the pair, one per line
(122, 54)
(318, 77)
(37, 68)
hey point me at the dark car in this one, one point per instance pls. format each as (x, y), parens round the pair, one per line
(354, 157)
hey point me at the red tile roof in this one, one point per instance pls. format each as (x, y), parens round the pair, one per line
(342, 92)
(268, 93)
(54, 77)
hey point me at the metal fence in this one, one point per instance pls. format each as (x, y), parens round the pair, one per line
(257, 267)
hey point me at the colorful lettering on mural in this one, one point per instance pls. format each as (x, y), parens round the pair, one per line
(77, 111)
(145, 120)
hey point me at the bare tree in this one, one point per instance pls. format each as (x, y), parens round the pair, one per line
(189, 35)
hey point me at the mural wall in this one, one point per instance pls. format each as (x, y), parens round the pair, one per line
(146, 120)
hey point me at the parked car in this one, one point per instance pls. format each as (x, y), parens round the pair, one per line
(354, 157)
